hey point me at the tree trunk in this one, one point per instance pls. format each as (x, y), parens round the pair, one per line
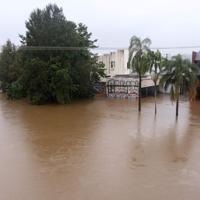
(177, 106)
(140, 88)
(155, 97)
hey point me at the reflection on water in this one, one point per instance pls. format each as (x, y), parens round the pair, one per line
(99, 149)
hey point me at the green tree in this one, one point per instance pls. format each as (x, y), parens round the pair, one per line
(7, 65)
(138, 59)
(55, 62)
(156, 66)
(179, 72)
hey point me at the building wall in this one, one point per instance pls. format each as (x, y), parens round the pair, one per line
(115, 62)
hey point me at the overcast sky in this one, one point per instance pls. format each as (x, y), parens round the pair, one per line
(113, 22)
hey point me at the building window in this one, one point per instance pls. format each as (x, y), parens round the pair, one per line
(112, 64)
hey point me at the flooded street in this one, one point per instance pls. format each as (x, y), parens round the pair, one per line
(99, 149)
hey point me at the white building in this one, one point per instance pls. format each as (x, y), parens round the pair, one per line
(116, 62)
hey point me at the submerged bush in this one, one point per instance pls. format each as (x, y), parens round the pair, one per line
(15, 91)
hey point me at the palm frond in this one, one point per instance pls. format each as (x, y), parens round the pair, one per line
(179, 73)
(146, 42)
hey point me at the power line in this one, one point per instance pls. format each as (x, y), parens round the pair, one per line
(177, 47)
(66, 48)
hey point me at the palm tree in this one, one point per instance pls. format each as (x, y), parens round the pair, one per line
(179, 72)
(138, 59)
(155, 71)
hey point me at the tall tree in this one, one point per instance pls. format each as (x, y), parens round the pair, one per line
(57, 64)
(179, 72)
(7, 62)
(156, 65)
(138, 59)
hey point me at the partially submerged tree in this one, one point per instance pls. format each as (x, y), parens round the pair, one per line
(179, 72)
(138, 60)
(156, 66)
(56, 60)
(7, 61)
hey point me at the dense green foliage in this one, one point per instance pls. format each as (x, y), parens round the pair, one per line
(43, 69)
(179, 73)
(7, 63)
(139, 60)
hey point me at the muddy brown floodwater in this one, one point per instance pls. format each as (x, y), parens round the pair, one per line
(99, 149)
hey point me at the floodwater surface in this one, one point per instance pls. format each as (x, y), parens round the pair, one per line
(99, 149)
